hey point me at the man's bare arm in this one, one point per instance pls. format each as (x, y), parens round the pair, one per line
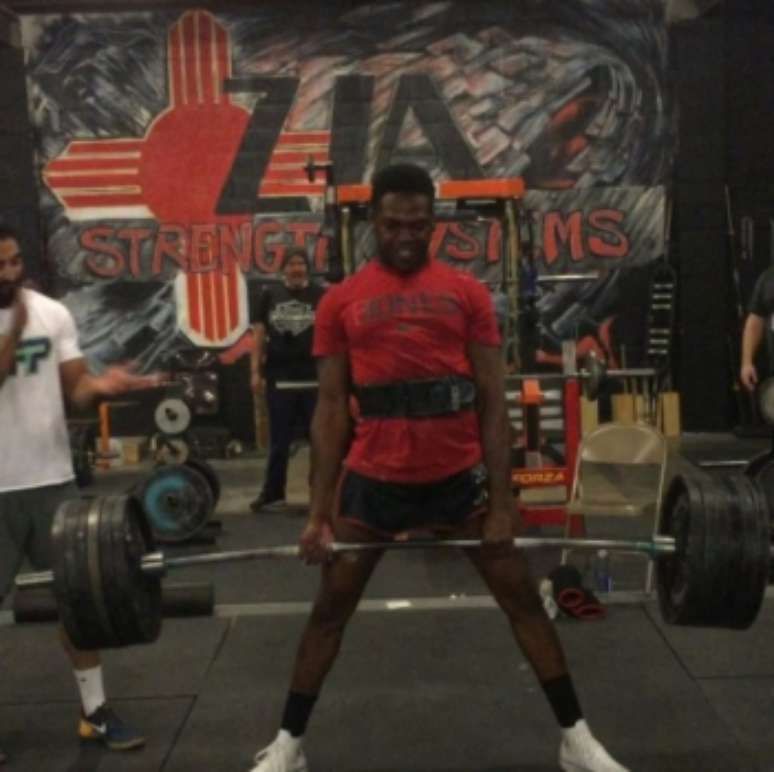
(82, 389)
(331, 429)
(752, 337)
(488, 374)
(9, 342)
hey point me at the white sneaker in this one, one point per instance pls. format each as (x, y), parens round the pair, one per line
(580, 751)
(285, 754)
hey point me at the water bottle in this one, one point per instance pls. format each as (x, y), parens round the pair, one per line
(603, 581)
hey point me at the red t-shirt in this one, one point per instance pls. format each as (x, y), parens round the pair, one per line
(399, 328)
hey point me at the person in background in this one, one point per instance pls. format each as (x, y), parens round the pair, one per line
(282, 367)
(758, 325)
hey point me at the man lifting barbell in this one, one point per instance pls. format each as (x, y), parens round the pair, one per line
(419, 342)
(39, 362)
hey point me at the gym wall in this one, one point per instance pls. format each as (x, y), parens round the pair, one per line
(178, 133)
(722, 232)
(19, 198)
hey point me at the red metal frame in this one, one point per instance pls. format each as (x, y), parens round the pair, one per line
(544, 476)
(511, 187)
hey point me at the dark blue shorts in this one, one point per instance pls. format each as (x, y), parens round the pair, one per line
(388, 508)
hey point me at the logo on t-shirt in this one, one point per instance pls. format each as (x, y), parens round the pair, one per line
(29, 353)
(421, 304)
(292, 317)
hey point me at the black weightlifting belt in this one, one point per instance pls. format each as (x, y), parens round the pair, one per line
(416, 399)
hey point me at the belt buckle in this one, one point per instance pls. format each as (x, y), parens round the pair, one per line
(456, 397)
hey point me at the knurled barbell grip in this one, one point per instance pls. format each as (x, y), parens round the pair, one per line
(662, 545)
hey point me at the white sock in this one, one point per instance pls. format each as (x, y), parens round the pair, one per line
(577, 732)
(286, 738)
(91, 688)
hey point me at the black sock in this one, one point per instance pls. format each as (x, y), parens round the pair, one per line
(563, 700)
(298, 708)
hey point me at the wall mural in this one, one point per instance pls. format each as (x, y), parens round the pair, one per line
(172, 146)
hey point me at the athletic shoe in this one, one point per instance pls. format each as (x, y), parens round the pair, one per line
(104, 725)
(580, 751)
(265, 503)
(283, 755)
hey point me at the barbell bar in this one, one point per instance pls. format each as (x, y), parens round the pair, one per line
(629, 372)
(593, 374)
(568, 278)
(712, 556)
(157, 563)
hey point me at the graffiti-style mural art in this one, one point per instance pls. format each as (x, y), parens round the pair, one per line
(172, 147)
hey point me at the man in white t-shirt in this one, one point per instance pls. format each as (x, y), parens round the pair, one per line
(41, 366)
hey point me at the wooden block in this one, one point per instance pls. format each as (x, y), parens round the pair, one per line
(589, 411)
(133, 449)
(640, 408)
(623, 406)
(669, 414)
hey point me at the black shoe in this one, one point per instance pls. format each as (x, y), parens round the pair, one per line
(105, 726)
(266, 503)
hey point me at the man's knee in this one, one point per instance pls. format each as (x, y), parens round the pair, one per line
(332, 610)
(514, 589)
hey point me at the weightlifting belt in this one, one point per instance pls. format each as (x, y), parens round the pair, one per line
(416, 399)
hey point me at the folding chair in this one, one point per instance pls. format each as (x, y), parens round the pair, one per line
(620, 471)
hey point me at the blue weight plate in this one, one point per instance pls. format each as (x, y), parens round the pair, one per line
(178, 502)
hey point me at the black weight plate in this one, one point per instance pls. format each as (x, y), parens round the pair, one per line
(711, 570)
(135, 597)
(761, 469)
(722, 552)
(177, 500)
(81, 447)
(682, 579)
(754, 465)
(717, 576)
(210, 475)
(66, 593)
(751, 534)
(77, 584)
(91, 525)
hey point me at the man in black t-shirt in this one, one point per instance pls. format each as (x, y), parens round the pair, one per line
(759, 325)
(283, 319)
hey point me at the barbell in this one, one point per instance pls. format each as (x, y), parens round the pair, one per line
(592, 374)
(712, 555)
